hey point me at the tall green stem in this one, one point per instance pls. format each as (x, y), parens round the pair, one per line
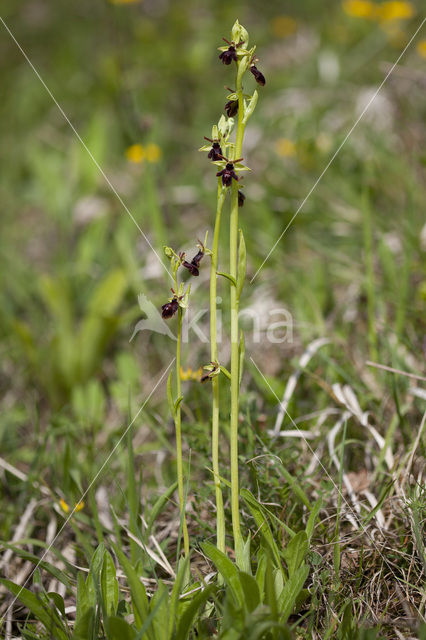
(233, 268)
(220, 514)
(178, 426)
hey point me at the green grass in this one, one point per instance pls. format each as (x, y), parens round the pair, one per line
(350, 268)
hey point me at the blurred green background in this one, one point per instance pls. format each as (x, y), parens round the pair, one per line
(142, 84)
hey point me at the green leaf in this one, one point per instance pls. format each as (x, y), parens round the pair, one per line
(187, 618)
(176, 591)
(43, 564)
(270, 598)
(278, 583)
(225, 372)
(228, 277)
(119, 629)
(159, 506)
(58, 601)
(97, 561)
(245, 554)
(251, 591)
(109, 584)
(295, 552)
(291, 591)
(39, 608)
(159, 610)
(242, 265)
(310, 526)
(84, 602)
(56, 295)
(109, 293)
(262, 559)
(227, 570)
(261, 521)
(84, 627)
(177, 403)
(250, 107)
(137, 592)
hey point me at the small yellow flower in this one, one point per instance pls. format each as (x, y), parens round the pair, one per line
(66, 509)
(285, 147)
(189, 374)
(283, 26)
(64, 506)
(421, 48)
(135, 153)
(360, 8)
(395, 10)
(152, 152)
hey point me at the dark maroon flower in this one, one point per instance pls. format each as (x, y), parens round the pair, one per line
(193, 266)
(215, 152)
(227, 174)
(231, 108)
(169, 309)
(260, 78)
(241, 198)
(229, 55)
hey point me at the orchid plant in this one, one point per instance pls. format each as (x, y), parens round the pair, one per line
(225, 147)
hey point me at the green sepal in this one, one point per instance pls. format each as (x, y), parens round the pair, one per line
(239, 34)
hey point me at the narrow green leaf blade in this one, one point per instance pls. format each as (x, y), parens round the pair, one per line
(228, 277)
(227, 570)
(109, 585)
(295, 552)
(291, 591)
(47, 615)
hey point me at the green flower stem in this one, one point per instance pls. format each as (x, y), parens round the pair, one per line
(220, 514)
(233, 267)
(178, 426)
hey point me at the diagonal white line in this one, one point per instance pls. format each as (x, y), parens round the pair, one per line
(86, 148)
(89, 487)
(363, 529)
(341, 145)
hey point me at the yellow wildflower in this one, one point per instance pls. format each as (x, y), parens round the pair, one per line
(189, 374)
(65, 507)
(152, 152)
(360, 8)
(285, 147)
(135, 153)
(283, 26)
(421, 48)
(395, 10)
